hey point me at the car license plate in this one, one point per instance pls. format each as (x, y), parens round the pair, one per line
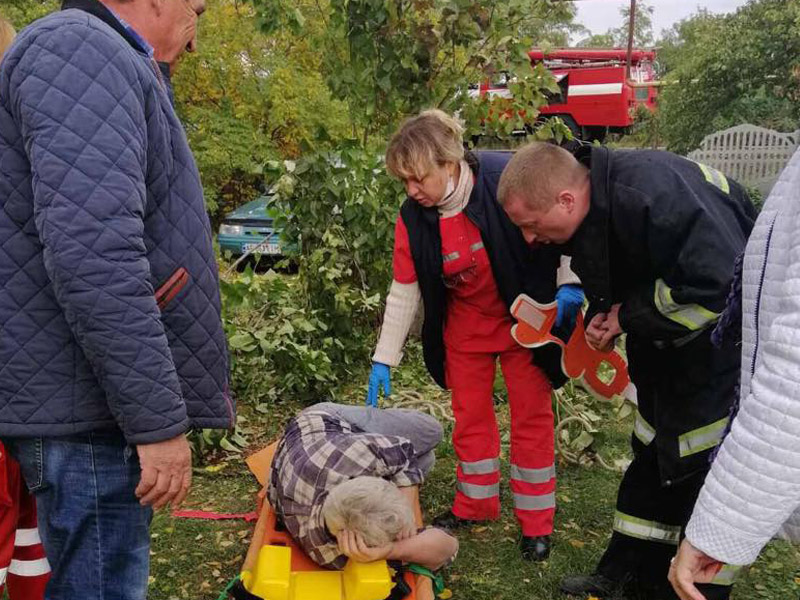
(261, 248)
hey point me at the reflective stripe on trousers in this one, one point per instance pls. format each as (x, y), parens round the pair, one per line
(533, 475)
(529, 502)
(478, 492)
(646, 530)
(480, 467)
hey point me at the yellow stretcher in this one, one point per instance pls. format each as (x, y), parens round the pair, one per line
(276, 568)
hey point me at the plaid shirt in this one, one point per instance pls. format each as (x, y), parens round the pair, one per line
(319, 451)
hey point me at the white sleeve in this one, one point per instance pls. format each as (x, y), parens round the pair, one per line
(754, 484)
(401, 307)
(565, 275)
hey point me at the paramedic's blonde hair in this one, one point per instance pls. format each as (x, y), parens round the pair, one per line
(537, 173)
(371, 506)
(7, 35)
(432, 138)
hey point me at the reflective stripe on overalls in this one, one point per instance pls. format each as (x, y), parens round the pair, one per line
(702, 438)
(692, 316)
(543, 501)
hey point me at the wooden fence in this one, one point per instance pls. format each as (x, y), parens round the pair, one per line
(753, 156)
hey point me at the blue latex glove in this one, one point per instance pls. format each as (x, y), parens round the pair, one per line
(378, 378)
(570, 300)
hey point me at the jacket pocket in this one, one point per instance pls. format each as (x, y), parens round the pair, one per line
(29, 453)
(171, 288)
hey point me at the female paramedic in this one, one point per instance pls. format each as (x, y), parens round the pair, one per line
(457, 250)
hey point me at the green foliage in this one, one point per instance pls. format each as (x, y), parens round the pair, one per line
(246, 98)
(389, 59)
(23, 12)
(731, 69)
(340, 209)
(279, 346)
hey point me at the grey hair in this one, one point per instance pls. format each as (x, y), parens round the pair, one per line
(371, 506)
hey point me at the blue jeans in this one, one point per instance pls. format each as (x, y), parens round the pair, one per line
(95, 533)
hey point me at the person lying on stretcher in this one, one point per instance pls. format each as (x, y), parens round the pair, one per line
(344, 482)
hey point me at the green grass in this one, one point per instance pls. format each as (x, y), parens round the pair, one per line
(195, 559)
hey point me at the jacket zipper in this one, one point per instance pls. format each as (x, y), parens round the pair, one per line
(758, 297)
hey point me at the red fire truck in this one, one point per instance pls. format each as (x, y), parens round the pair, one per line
(595, 96)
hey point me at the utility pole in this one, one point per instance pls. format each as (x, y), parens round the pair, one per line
(631, 23)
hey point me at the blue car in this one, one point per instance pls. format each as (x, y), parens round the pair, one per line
(249, 228)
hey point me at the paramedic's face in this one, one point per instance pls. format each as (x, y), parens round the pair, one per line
(554, 225)
(429, 188)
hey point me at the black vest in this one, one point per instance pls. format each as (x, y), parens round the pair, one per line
(517, 268)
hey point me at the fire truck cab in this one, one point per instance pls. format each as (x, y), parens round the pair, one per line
(596, 98)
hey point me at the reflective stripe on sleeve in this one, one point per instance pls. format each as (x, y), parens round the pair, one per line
(27, 537)
(3, 574)
(476, 246)
(646, 530)
(715, 178)
(727, 575)
(702, 439)
(533, 475)
(480, 467)
(29, 568)
(643, 430)
(531, 502)
(478, 492)
(691, 316)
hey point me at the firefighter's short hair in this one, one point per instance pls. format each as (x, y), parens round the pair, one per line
(7, 35)
(537, 173)
(371, 506)
(432, 138)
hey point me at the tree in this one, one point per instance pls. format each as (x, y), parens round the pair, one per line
(390, 58)
(731, 69)
(385, 60)
(618, 36)
(22, 12)
(246, 98)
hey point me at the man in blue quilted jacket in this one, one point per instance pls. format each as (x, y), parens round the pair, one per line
(111, 344)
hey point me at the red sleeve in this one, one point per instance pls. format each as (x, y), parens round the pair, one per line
(403, 264)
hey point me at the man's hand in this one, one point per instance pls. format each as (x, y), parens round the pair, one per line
(166, 472)
(603, 330)
(352, 545)
(691, 566)
(596, 329)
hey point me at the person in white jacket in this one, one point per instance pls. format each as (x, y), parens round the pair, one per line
(752, 492)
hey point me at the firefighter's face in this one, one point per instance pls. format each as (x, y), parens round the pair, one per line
(553, 225)
(429, 188)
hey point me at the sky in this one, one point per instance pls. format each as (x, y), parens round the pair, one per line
(601, 15)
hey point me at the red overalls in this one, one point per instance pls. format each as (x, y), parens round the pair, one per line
(477, 331)
(23, 565)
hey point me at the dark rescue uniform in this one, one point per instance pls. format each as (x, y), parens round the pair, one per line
(661, 238)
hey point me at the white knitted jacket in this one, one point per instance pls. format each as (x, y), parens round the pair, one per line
(753, 489)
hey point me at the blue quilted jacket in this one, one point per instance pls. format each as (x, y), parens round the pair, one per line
(109, 296)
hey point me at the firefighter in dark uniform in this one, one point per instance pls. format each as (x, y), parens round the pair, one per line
(654, 238)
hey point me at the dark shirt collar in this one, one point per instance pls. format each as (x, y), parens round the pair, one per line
(102, 12)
